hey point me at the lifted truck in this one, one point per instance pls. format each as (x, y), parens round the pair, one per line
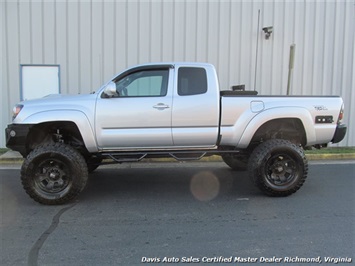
(169, 109)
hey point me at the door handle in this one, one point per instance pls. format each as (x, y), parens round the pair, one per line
(161, 106)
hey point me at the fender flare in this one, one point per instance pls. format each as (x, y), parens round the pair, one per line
(278, 113)
(77, 117)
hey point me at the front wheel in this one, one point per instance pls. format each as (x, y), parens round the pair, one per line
(278, 167)
(54, 173)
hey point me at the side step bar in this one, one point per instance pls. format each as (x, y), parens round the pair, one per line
(189, 155)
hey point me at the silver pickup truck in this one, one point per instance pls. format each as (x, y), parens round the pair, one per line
(169, 109)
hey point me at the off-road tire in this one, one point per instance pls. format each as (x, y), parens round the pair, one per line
(237, 163)
(278, 167)
(54, 173)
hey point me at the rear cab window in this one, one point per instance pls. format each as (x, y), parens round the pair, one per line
(192, 81)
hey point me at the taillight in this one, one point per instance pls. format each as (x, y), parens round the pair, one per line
(341, 115)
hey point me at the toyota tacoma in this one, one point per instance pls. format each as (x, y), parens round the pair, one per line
(169, 110)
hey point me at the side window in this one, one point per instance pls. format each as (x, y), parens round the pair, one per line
(192, 81)
(148, 83)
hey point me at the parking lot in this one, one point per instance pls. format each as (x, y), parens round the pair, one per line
(202, 213)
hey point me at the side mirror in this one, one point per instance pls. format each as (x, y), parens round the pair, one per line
(110, 90)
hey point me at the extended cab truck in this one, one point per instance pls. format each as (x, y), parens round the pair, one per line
(169, 109)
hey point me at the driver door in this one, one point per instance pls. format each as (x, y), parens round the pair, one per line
(139, 116)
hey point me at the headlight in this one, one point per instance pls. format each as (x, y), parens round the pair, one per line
(16, 110)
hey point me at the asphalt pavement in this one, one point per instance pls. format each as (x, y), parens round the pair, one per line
(200, 213)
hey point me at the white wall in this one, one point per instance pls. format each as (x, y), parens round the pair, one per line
(93, 40)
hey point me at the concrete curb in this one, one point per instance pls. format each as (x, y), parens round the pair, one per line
(16, 158)
(11, 156)
(331, 156)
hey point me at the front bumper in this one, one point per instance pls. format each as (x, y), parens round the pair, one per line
(339, 133)
(16, 136)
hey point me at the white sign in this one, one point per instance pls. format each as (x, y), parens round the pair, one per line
(39, 80)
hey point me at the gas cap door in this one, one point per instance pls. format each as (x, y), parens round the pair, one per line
(257, 106)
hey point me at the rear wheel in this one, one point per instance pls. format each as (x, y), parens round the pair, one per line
(54, 173)
(278, 167)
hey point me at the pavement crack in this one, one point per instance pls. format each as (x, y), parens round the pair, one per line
(34, 252)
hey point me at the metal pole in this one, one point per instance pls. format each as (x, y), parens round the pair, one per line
(256, 52)
(290, 67)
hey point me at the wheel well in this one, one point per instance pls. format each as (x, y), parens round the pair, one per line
(290, 129)
(59, 131)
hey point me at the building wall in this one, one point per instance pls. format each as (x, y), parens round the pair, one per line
(93, 40)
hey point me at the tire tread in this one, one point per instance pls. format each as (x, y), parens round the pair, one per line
(78, 165)
(257, 157)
